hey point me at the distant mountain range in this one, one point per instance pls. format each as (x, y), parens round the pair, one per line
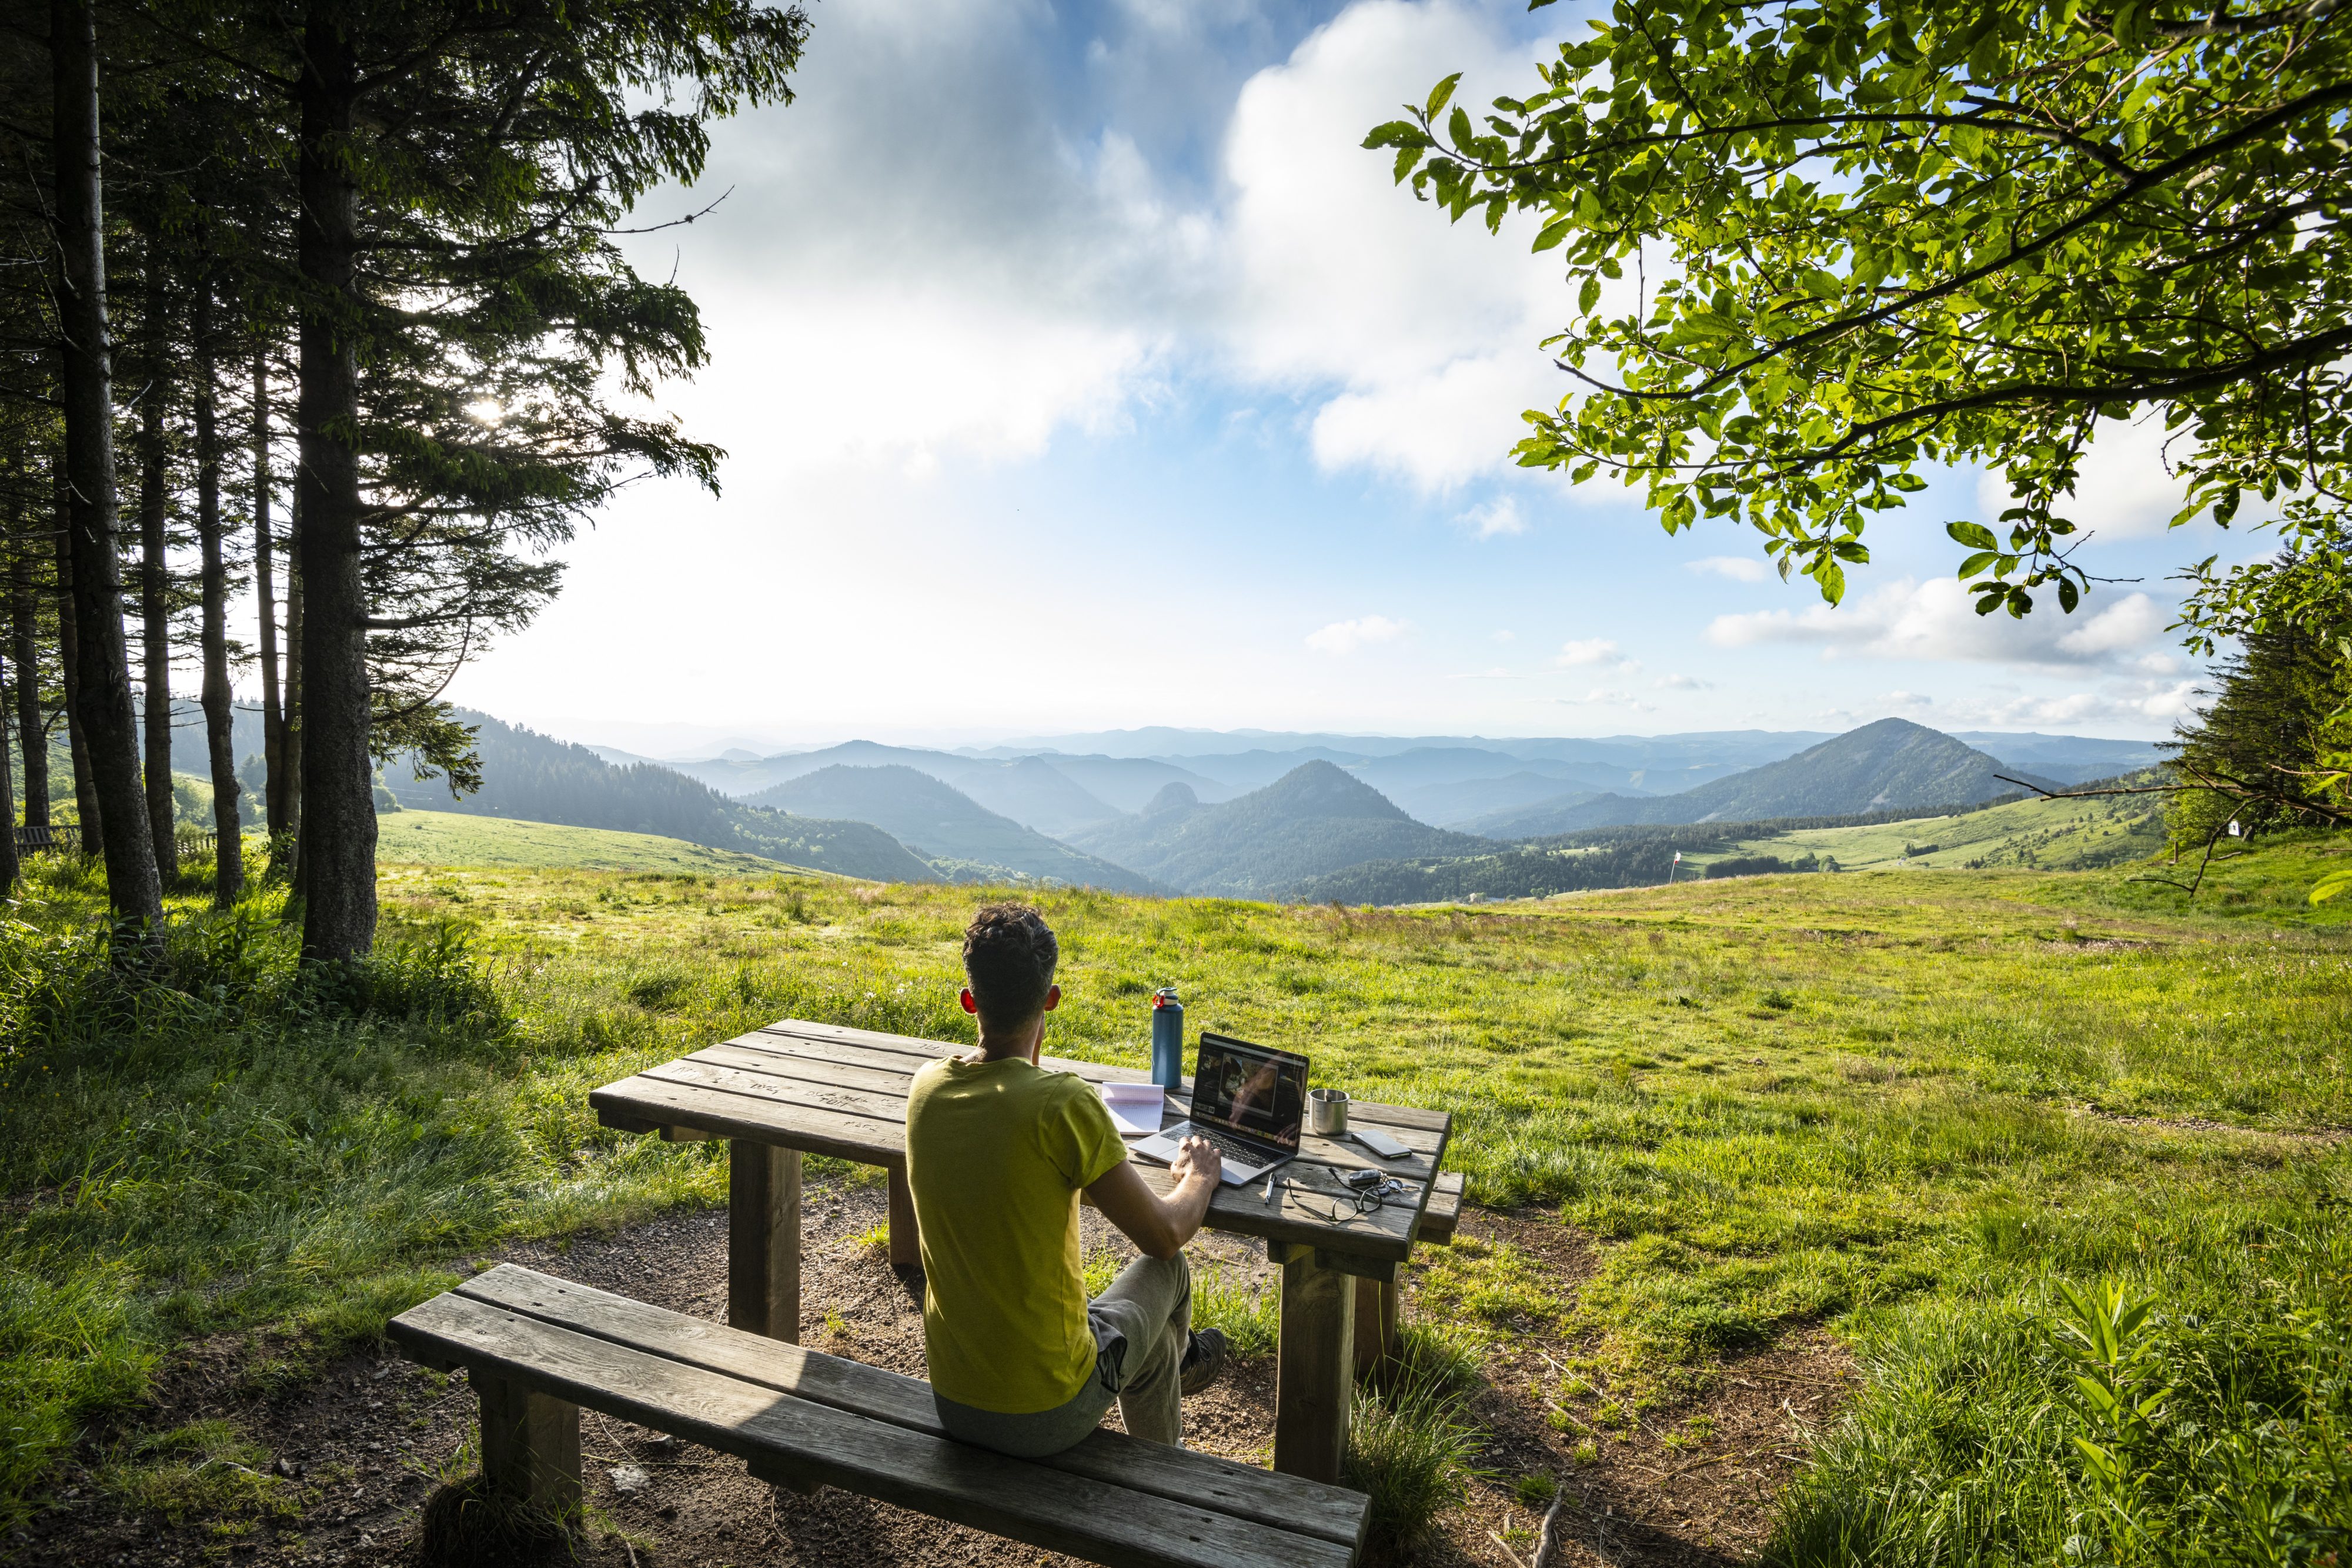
(1052, 795)
(945, 826)
(530, 777)
(1314, 820)
(1887, 766)
(1262, 815)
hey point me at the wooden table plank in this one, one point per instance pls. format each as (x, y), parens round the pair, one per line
(647, 1101)
(868, 1048)
(806, 1069)
(1178, 1474)
(861, 1092)
(1012, 1498)
(888, 1112)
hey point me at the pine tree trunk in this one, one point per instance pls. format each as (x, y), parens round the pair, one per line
(7, 828)
(228, 857)
(110, 728)
(25, 617)
(155, 584)
(337, 868)
(86, 822)
(291, 748)
(32, 732)
(265, 584)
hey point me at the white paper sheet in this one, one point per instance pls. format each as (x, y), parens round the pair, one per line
(1135, 1108)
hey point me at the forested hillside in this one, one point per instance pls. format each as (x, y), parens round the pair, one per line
(1891, 765)
(947, 827)
(1315, 819)
(530, 777)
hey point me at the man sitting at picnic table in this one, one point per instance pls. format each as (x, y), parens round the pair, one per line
(998, 1150)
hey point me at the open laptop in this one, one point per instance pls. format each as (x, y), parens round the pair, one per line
(1247, 1099)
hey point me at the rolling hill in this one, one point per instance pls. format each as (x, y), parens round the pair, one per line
(529, 777)
(948, 827)
(1054, 795)
(2065, 834)
(1314, 820)
(453, 839)
(1889, 765)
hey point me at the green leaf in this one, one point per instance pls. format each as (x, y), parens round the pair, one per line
(1440, 95)
(1975, 536)
(2069, 595)
(1552, 233)
(2331, 884)
(1397, 133)
(1587, 296)
(1978, 562)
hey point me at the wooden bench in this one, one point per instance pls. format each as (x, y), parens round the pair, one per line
(536, 1349)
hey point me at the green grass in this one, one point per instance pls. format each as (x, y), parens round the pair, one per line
(2053, 835)
(453, 838)
(1903, 1106)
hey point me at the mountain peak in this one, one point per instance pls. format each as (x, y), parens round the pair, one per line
(1173, 796)
(1321, 788)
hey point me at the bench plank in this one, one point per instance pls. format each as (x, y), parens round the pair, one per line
(1442, 1213)
(1178, 1474)
(1012, 1498)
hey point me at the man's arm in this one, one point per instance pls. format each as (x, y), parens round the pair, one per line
(1161, 1226)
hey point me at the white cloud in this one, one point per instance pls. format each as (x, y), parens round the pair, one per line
(1427, 329)
(1500, 515)
(1506, 635)
(1738, 568)
(1497, 673)
(2124, 489)
(1346, 637)
(1937, 619)
(1682, 684)
(1609, 696)
(2127, 702)
(1590, 650)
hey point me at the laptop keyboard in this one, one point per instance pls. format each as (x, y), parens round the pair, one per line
(1238, 1152)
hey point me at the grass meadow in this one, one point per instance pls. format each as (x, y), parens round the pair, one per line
(1910, 1106)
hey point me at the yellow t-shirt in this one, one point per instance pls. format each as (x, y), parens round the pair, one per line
(996, 1152)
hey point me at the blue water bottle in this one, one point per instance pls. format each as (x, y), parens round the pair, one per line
(1167, 1038)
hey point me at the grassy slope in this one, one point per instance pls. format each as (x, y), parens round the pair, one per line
(2054, 835)
(1777, 1100)
(446, 838)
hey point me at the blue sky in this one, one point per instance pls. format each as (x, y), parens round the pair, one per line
(1078, 370)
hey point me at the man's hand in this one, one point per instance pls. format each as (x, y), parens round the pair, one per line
(1196, 1157)
(1161, 1226)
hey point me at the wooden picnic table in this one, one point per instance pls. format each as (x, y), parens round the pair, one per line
(796, 1088)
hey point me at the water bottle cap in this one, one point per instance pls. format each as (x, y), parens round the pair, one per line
(1164, 997)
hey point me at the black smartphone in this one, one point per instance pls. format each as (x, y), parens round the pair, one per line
(1380, 1143)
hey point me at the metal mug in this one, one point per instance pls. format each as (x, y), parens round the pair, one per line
(1326, 1112)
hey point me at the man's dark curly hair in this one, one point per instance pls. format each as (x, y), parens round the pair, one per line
(1009, 954)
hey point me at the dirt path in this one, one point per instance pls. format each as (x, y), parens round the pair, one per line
(370, 1440)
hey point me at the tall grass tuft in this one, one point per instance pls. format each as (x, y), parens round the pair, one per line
(1250, 1315)
(1411, 1448)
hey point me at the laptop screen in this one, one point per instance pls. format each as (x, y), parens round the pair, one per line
(1250, 1089)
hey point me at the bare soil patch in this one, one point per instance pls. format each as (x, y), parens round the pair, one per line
(370, 1440)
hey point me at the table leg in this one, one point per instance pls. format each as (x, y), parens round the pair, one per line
(1376, 1325)
(905, 1238)
(764, 1239)
(531, 1444)
(1315, 1376)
